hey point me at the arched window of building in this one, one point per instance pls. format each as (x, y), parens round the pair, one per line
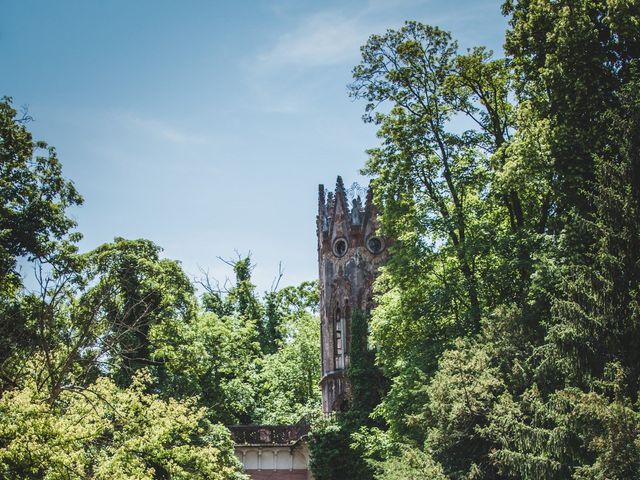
(347, 321)
(337, 339)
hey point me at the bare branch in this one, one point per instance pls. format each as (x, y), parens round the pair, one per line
(276, 281)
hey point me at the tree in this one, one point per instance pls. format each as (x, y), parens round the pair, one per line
(103, 313)
(281, 305)
(244, 369)
(105, 432)
(596, 319)
(570, 59)
(411, 464)
(548, 385)
(290, 376)
(216, 359)
(34, 197)
(242, 297)
(466, 225)
(135, 292)
(425, 171)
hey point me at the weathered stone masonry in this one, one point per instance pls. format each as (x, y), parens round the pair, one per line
(349, 254)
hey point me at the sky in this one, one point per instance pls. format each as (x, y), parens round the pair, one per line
(206, 126)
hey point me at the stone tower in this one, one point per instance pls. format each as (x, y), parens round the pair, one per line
(349, 254)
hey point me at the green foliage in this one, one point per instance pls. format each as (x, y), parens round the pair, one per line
(465, 225)
(290, 376)
(34, 224)
(280, 306)
(242, 296)
(241, 299)
(333, 457)
(572, 434)
(596, 320)
(215, 359)
(507, 319)
(105, 432)
(34, 195)
(460, 399)
(221, 360)
(411, 464)
(241, 371)
(366, 381)
(135, 292)
(570, 58)
(427, 175)
(580, 418)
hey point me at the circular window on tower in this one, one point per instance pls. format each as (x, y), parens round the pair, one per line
(340, 247)
(375, 245)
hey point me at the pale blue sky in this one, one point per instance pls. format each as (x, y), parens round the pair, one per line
(206, 126)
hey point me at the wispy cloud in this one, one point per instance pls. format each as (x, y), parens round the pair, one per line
(284, 76)
(325, 38)
(332, 37)
(159, 129)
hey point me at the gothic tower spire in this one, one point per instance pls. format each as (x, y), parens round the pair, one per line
(350, 251)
